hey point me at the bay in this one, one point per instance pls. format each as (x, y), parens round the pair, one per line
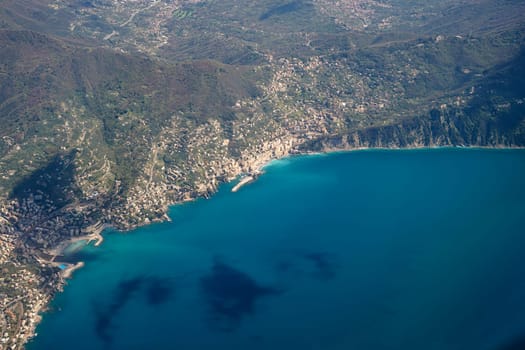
(417, 249)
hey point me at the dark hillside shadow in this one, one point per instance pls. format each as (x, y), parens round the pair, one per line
(55, 183)
(325, 265)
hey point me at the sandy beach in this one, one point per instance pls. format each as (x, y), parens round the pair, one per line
(94, 234)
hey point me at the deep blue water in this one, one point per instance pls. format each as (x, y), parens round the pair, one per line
(364, 250)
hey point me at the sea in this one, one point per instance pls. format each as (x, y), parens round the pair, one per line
(374, 249)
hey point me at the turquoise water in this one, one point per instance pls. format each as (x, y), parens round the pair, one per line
(363, 250)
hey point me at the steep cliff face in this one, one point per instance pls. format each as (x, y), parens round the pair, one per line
(439, 128)
(493, 117)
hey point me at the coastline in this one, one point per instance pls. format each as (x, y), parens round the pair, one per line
(407, 149)
(95, 231)
(301, 171)
(331, 151)
(246, 180)
(68, 272)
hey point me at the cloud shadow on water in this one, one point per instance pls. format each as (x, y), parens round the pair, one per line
(518, 343)
(158, 291)
(326, 264)
(105, 315)
(231, 295)
(155, 290)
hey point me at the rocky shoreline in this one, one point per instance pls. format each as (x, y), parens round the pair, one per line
(48, 257)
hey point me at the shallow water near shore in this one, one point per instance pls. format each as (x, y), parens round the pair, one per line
(75, 247)
(420, 249)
